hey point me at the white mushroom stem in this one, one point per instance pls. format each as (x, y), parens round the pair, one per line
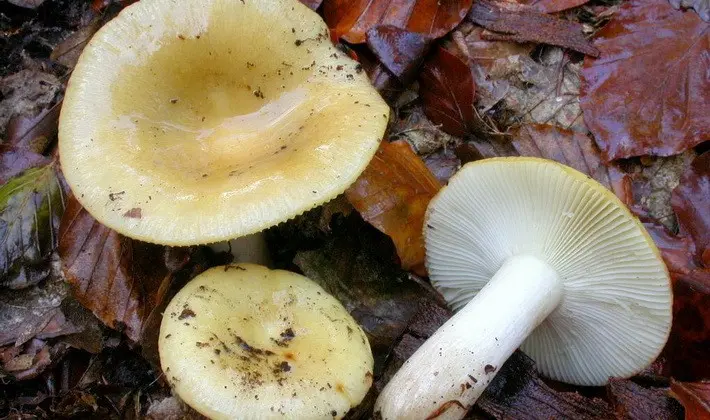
(448, 373)
(246, 249)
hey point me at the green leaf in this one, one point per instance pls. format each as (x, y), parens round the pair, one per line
(31, 206)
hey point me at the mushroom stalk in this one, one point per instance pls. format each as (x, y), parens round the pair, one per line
(448, 373)
(246, 249)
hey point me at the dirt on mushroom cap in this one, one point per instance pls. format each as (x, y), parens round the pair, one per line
(245, 341)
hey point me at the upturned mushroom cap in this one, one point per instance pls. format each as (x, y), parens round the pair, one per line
(615, 312)
(243, 341)
(196, 121)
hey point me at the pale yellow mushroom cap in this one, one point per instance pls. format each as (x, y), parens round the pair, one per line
(196, 121)
(246, 342)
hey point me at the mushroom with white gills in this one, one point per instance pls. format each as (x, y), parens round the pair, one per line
(536, 255)
(185, 122)
(246, 342)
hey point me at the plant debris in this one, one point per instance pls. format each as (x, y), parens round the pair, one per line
(520, 23)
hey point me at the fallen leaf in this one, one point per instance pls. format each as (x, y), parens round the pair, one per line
(351, 19)
(653, 180)
(689, 342)
(677, 251)
(36, 132)
(14, 161)
(29, 360)
(554, 6)
(401, 51)
(565, 146)
(695, 397)
(25, 94)
(632, 401)
(572, 149)
(702, 7)
(33, 312)
(411, 124)
(648, 93)
(31, 205)
(443, 164)
(392, 194)
(119, 279)
(352, 265)
(27, 4)
(691, 203)
(522, 23)
(68, 51)
(447, 90)
(313, 4)
(519, 89)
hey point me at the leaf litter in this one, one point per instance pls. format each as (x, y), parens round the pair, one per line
(465, 85)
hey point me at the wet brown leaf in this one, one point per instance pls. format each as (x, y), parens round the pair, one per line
(401, 51)
(554, 6)
(648, 93)
(392, 194)
(447, 90)
(313, 4)
(689, 343)
(702, 7)
(520, 23)
(14, 161)
(635, 402)
(691, 203)
(351, 19)
(695, 397)
(120, 280)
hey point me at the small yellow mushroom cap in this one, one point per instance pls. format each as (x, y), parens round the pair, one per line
(245, 342)
(195, 121)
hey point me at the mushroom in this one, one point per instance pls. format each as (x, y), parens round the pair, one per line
(243, 341)
(532, 254)
(200, 121)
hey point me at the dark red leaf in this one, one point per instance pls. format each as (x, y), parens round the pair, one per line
(633, 401)
(447, 91)
(695, 397)
(351, 19)
(120, 280)
(313, 4)
(649, 91)
(691, 203)
(520, 23)
(554, 6)
(677, 251)
(401, 51)
(688, 346)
